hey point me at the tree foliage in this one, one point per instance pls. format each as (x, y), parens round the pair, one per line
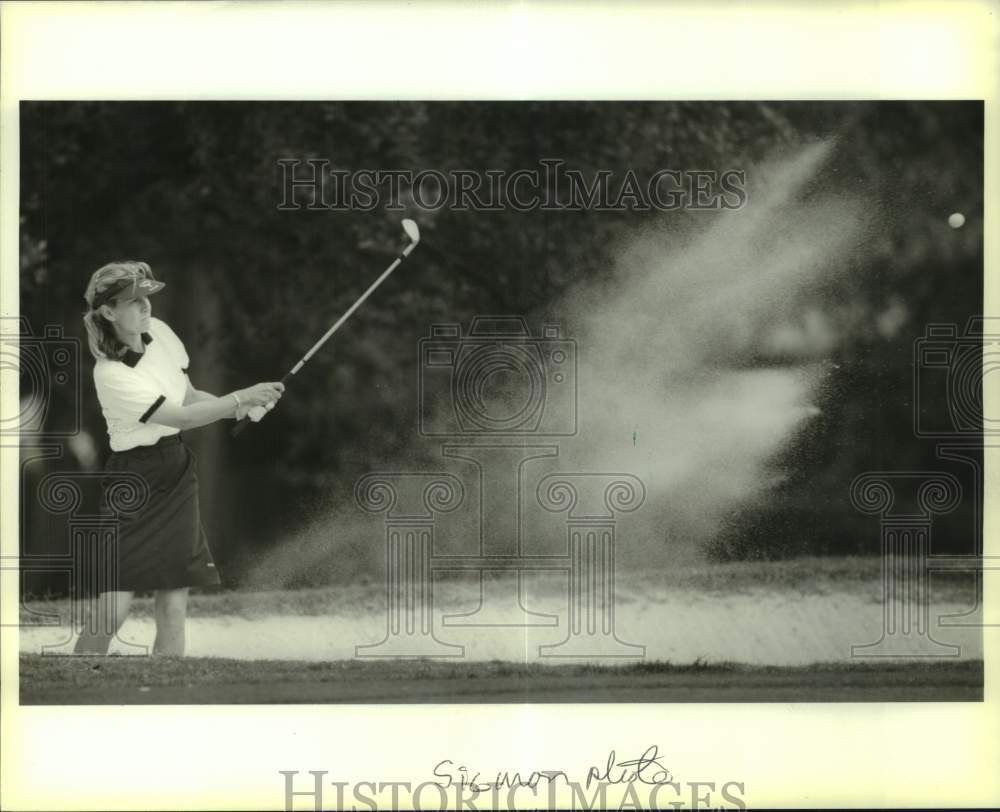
(193, 188)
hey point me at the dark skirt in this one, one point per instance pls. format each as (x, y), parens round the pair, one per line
(161, 543)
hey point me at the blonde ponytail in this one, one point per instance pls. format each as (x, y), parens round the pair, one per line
(101, 337)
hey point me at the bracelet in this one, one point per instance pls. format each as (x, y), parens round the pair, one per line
(238, 404)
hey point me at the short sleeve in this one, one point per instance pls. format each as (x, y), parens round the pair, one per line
(171, 339)
(125, 396)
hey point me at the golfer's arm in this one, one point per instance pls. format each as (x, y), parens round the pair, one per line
(192, 415)
(196, 395)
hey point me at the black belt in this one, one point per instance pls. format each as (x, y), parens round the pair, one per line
(170, 439)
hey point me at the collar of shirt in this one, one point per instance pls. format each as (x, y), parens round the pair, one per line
(131, 357)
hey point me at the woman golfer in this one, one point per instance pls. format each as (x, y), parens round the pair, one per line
(142, 384)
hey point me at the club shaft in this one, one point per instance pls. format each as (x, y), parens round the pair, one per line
(241, 425)
(315, 347)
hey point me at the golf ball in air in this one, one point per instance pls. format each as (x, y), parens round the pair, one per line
(956, 220)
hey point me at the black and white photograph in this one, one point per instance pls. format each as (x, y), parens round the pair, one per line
(402, 403)
(502, 401)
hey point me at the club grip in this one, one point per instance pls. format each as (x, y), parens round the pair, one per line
(237, 430)
(241, 426)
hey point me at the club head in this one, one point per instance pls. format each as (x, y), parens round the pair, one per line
(412, 231)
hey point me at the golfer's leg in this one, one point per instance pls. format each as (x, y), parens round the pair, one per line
(107, 614)
(171, 615)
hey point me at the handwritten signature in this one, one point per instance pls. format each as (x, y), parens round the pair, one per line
(646, 769)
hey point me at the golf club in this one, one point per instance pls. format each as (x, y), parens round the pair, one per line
(413, 232)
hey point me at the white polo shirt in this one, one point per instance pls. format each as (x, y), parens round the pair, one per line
(132, 389)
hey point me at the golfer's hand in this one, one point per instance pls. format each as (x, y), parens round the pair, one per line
(261, 395)
(258, 413)
(254, 413)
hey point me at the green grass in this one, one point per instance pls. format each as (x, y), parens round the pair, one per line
(142, 680)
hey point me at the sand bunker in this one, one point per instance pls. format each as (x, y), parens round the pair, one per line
(772, 628)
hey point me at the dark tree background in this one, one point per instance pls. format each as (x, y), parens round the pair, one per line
(193, 189)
